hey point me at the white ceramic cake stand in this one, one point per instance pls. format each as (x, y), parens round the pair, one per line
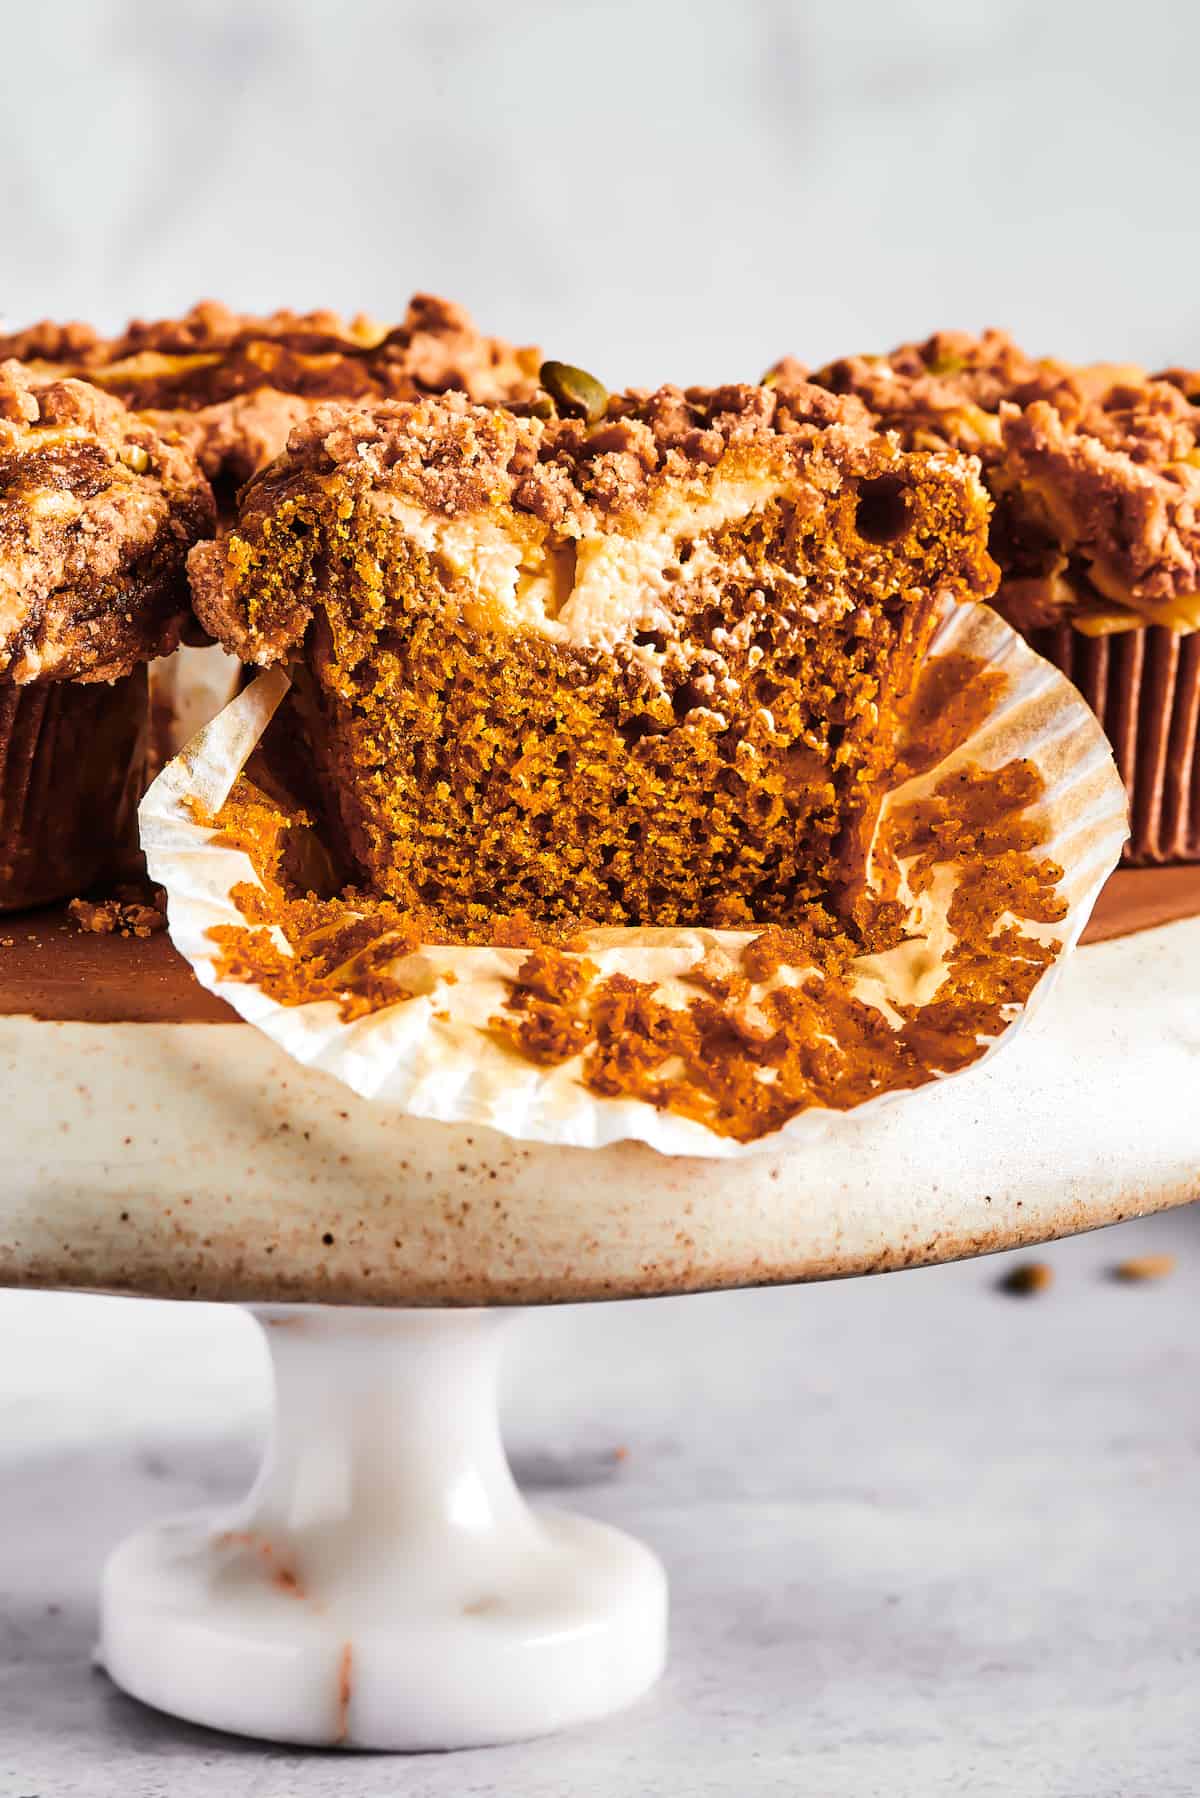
(384, 1585)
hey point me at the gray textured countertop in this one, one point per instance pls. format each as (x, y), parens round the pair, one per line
(923, 1538)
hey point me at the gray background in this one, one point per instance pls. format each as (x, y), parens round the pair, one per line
(655, 188)
(924, 1539)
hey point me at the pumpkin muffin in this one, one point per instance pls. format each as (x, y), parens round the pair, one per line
(97, 514)
(233, 385)
(637, 660)
(1095, 477)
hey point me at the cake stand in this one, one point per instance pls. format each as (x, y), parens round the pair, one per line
(384, 1584)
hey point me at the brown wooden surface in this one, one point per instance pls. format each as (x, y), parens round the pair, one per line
(51, 969)
(1140, 898)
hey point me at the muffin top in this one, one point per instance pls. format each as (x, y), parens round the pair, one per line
(233, 385)
(1094, 470)
(97, 514)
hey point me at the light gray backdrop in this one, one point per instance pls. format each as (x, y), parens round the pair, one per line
(924, 1541)
(656, 190)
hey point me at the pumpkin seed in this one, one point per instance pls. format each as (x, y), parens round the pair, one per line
(575, 389)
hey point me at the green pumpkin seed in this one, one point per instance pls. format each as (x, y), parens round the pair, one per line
(575, 389)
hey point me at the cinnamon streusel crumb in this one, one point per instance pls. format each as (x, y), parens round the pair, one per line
(1094, 471)
(97, 514)
(233, 385)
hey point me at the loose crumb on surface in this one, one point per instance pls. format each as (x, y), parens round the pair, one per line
(129, 911)
(1144, 1267)
(1027, 1278)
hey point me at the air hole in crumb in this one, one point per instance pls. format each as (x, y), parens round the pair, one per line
(656, 640)
(882, 512)
(685, 552)
(686, 698)
(634, 729)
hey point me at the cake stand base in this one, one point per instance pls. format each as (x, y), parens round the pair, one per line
(384, 1585)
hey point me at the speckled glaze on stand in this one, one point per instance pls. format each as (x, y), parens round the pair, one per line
(181, 1155)
(384, 1585)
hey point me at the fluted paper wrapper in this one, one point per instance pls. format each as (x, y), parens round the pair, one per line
(72, 768)
(187, 689)
(1144, 686)
(435, 1056)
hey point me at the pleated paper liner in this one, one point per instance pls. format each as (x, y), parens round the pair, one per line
(72, 769)
(1144, 686)
(445, 1041)
(188, 688)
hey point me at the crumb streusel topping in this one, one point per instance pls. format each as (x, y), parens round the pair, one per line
(233, 385)
(97, 514)
(1094, 471)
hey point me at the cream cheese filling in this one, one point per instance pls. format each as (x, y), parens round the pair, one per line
(595, 589)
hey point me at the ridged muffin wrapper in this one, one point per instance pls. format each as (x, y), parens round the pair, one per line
(187, 689)
(72, 769)
(434, 1056)
(1144, 686)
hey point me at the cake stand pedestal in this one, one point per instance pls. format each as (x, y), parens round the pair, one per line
(384, 1584)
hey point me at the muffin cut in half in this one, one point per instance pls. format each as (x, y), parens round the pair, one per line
(97, 514)
(1095, 476)
(643, 670)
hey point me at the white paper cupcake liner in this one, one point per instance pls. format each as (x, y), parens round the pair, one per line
(435, 1055)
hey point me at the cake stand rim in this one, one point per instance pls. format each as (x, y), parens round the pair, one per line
(473, 1220)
